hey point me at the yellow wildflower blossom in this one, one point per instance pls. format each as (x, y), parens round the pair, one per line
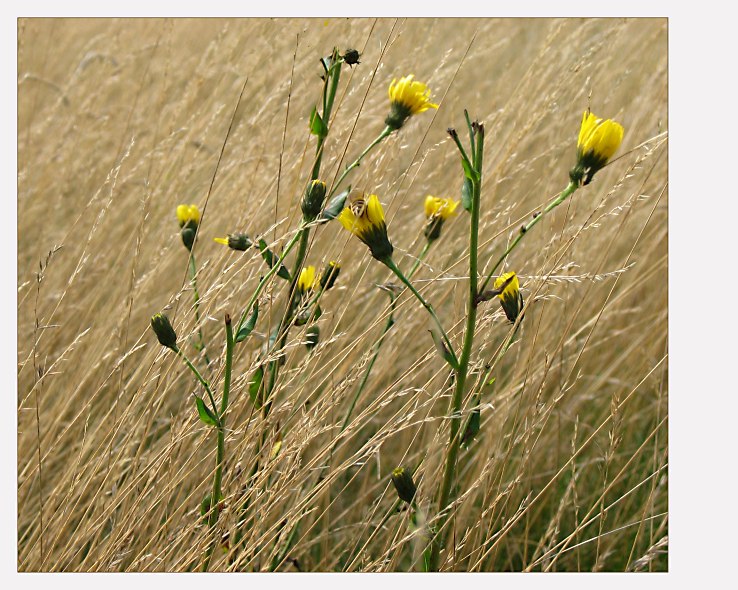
(598, 141)
(437, 211)
(363, 216)
(188, 215)
(407, 97)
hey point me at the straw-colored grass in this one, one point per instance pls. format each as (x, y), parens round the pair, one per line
(122, 120)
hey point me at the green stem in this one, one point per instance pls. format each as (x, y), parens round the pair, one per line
(267, 276)
(196, 294)
(566, 193)
(386, 132)
(462, 373)
(393, 267)
(217, 493)
(378, 344)
(200, 378)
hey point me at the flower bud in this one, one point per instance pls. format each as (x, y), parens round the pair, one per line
(404, 484)
(329, 275)
(351, 57)
(188, 236)
(240, 242)
(312, 200)
(164, 332)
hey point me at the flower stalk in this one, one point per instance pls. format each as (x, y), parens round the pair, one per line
(438, 542)
(217, 493)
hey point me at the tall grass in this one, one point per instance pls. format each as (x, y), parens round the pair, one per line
(121, 120)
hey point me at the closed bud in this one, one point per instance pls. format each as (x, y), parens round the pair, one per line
(404, 484)
(164, 332)
(312, 337)
(188, 236)
(240, 242)
(329, 275)
(351, 57)
(188, 217)
(312, 200)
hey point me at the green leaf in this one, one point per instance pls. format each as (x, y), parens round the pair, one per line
(255, 385)
(469, 172)
(335, 205)
(250, 324)
(317, 126)
(206, 415)
(271, 259)
(442, 350)
(466, 194)
(473, 425)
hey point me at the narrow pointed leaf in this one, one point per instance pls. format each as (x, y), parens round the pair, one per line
(469, 172)
(255, 385)
(206, 415)
(442, 350)
(250, 324)
(317, 126)
(335, 206)
(271, 259)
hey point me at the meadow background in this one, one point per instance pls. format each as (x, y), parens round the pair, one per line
(119, 121)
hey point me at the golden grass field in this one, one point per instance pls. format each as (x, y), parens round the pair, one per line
(119, 121)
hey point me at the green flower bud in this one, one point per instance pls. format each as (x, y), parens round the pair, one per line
(188, 236)
(164, 332)
(329, 275)
(312, 200)
(404, 484)
(240, 242)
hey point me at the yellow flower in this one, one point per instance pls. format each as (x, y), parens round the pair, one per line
(443, 208)
(510, 297)
(407, 97)
(437, 211)
(188, 215)
(363, 216)
(306, 281)
(598, 141)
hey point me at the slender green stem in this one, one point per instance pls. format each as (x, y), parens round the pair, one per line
(193, 281)
(386, 132)
(566, 193)
(378, 344)
(462, 373)
(200, 378)
(419, 259)
(393, 267)
(217, 493)
(267, 276)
